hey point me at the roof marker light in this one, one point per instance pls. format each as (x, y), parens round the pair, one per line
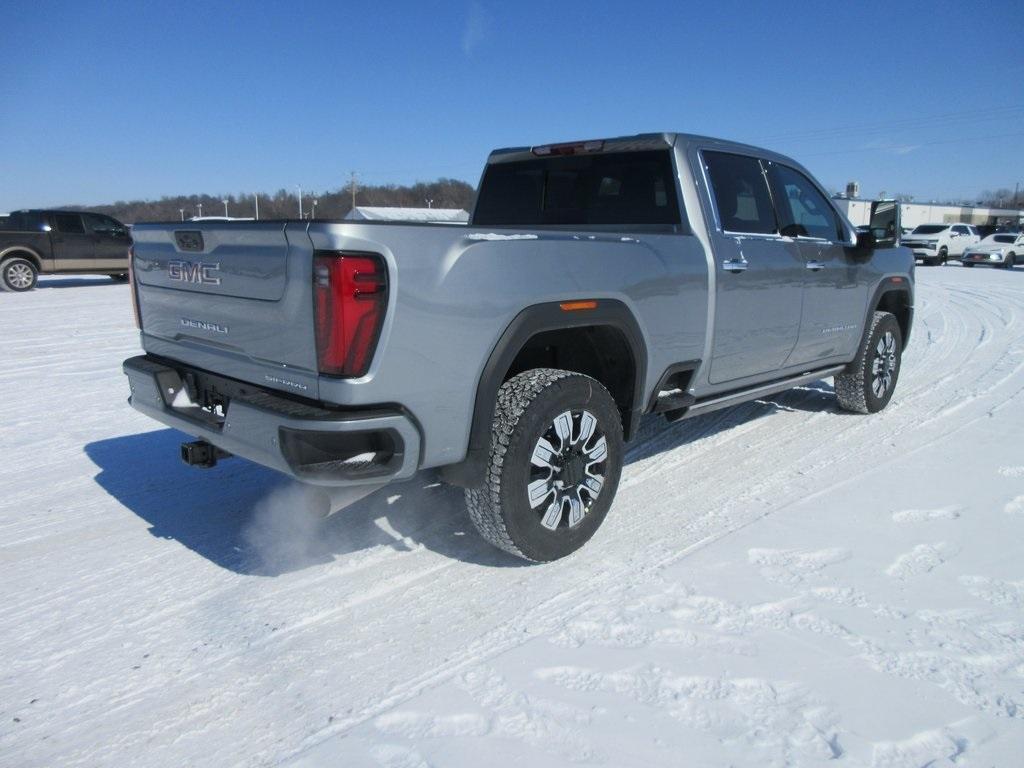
(569, 148)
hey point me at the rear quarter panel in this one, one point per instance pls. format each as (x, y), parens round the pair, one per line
(454, 291)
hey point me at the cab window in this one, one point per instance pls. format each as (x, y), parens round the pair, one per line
(803, 210)
(102, 225)
(69, 223)
(741, 193)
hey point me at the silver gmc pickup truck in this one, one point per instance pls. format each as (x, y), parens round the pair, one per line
(596, 282)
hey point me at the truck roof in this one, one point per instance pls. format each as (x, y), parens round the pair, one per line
(635, 143)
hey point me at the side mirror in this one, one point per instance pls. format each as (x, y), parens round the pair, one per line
(884, 228)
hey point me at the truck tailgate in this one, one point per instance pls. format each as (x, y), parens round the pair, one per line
(233, 297)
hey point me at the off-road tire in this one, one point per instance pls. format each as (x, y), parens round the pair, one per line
(854, 385)
(526, 405)
(18, 275)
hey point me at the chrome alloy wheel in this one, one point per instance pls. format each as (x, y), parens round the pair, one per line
(19, 276)
(568, 469)
(884, 365)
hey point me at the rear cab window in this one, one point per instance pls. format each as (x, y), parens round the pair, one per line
(615, 189)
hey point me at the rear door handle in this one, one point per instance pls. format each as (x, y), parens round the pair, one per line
(815, 266)
(735, 265)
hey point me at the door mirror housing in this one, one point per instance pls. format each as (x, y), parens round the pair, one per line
(884, 229)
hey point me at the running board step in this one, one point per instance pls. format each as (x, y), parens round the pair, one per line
(715, 402)
(673, 401)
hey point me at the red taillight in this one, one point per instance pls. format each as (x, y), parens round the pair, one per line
(135, 291)
(350, 296)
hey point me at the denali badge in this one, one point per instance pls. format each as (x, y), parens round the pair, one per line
(193, 272)
(203, 325)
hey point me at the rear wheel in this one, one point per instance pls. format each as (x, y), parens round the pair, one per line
(18, 274)
(867, 384)
(1010, 258)
(554, 465)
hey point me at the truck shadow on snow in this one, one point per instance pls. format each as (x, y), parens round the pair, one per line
(254, 521)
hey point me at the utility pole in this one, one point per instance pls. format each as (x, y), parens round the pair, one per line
(313, 214)
(200, 207)
(256, 197)
(430, 202)
(300, 200)
(225, 208)
(352, 184)
(182, 212)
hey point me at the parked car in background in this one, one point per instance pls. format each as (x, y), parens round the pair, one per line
(937, 243)
(998, 250)
(34, 242)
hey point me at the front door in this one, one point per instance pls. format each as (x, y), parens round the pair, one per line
(111, 241)
(835, 288)
(758, 273)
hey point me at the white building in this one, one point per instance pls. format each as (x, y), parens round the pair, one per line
(380, 213)
(915, 214)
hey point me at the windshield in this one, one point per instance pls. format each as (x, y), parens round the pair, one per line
(930, 229)
(1001, 238)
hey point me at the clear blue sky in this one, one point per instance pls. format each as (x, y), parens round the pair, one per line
(109, 101)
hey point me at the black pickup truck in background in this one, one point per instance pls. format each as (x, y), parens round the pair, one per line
(35, 242)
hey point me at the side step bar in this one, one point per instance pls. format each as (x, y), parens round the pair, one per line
(715, 402)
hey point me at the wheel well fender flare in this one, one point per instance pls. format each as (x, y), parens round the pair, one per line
(22, 251)
(901, 288)
(531, 321)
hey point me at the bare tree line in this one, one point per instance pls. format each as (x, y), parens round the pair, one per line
(283, 204)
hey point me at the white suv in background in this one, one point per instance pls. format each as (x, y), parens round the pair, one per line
(937, 243)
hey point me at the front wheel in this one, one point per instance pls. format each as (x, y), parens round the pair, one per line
(18, 274)
(867, 384)
(554, 465)
(943, 256)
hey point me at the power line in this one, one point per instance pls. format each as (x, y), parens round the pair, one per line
(916, 123)
(915, 146)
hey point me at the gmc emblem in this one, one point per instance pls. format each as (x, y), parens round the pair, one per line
(193, 272)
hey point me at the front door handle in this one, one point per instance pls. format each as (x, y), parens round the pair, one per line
(735, 265)
(815, 266)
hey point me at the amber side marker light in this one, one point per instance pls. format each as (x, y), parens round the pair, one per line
(576, 306)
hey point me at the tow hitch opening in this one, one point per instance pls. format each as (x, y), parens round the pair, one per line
(202, 454)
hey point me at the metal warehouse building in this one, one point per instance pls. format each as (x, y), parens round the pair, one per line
(914, 214)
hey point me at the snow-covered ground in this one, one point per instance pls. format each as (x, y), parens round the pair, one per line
(777, 584)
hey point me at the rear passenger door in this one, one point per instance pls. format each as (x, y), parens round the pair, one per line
(74, 248)
(758, 273)
(835, 289)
